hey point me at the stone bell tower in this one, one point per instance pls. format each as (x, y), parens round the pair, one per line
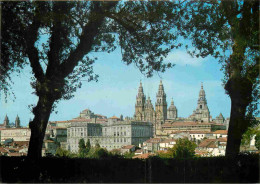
(202, 111)
(160, 107)
(140, 104)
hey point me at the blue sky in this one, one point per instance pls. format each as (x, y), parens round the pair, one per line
(115, 92)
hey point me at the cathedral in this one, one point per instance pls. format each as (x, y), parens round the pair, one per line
(145, 111)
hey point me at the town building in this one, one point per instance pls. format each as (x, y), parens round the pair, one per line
(113, 134)
(16, 134)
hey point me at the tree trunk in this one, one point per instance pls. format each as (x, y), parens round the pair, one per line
(240, 92)
(38, 126)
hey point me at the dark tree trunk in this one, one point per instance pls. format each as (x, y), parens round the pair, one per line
(240, 92)
(38, 127)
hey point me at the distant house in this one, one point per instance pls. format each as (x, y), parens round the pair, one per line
(139, 152)
(212, 147)
(151, 145)
(128, 148)
(166, 144)
(220, 133)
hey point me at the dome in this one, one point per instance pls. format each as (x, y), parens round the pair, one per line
(172, 106)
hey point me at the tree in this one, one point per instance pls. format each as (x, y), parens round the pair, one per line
(62, 153)
(82, 148)
(56, 38)
(257, 141)
(184, 148)
(228, 31)
(97, 152)
(88, 146)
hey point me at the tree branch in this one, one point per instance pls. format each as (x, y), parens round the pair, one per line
(57, 33)
(90, 31)
(31, 50)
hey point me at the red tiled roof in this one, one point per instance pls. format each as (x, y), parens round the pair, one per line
(128, 147)
(222, 139)
(114, 117)
(206, 142)
(224, 132)
(184, 123)
(14, 154)
(190, 132)
(20, 143)
(3, 150)
(153, 140)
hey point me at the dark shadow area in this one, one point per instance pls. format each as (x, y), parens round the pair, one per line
(243, 168)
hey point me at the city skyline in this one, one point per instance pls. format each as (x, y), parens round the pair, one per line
(115, 92)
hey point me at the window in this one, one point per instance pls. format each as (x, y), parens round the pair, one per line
(200, 106)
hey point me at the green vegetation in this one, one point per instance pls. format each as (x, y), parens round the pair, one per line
(184, 148)
(257, 141)
(128, 154)
(65, 153)
(82, 148)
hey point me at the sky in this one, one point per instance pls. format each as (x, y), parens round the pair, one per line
(117, 87)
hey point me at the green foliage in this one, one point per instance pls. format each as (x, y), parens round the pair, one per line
(247, 136)
(64, 153)
(98, 153)
(82, 148)
(97, 145)
(115, 152)
(257, 140)
(128, 154)
(88, 146)
(167, 154)
(184, 148)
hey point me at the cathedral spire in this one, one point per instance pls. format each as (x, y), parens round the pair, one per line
(172, 102)
(17, 121)
(140, 103)
(6, 121)
(202, 111)
(140, 89)
(161, 104)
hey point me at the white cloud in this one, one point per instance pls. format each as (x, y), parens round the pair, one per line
(182, 58)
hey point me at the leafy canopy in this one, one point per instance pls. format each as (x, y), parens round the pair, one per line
(56, 38)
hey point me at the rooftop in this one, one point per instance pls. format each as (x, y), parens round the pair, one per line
(224, 132)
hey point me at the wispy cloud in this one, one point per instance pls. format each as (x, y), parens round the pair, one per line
(182, 58)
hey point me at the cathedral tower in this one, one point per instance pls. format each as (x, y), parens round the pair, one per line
(17, 122)
(149, 110)
(139, 106)
(6, 122)
(161, 105)
(202, 111)
(172, 111)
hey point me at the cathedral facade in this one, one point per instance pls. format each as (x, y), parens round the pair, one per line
(145, 111)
